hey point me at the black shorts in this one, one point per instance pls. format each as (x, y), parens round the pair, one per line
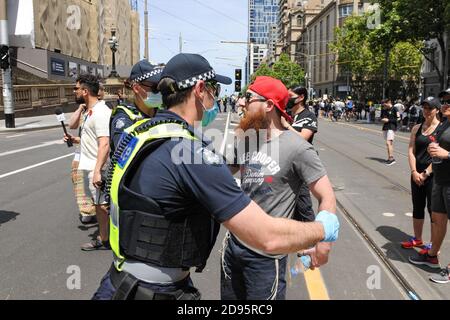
(440, 200)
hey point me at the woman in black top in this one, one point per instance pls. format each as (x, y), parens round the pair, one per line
(440, 201)
(421, 169)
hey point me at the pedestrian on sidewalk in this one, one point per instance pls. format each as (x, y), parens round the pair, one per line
(272, 174)
(440, 202)
(94, 153)
(389, 117)
(421, 170)
(85, 204)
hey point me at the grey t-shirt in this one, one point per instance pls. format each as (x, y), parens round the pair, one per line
(273, 174)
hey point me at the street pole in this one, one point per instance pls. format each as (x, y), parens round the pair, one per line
(147, 57)
(8, 103)
(310, 76)
(385, 75)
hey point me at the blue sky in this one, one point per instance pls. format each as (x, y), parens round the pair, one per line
(203, 24)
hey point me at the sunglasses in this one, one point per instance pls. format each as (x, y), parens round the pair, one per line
(76, 88)
(215, 86)
(447, 102)
(250, 95)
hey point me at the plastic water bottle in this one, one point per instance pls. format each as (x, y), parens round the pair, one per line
(302, 264)
(434, 160)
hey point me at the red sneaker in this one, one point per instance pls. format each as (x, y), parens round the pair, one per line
(413, 242)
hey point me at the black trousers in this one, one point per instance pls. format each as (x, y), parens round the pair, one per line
(421, 197)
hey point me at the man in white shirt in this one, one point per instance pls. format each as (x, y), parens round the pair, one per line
(94, 153)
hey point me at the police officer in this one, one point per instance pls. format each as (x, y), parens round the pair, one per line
(169, 192)
(143, 81)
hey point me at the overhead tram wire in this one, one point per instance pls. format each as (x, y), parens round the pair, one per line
(184, 20)
(221, 13)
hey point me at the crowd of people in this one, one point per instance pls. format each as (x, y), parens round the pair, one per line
(160, 213)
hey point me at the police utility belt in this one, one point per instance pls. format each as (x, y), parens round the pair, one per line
(145, 242)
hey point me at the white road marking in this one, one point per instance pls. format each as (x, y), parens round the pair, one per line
(35, 166)
(16, 136)
(234, 124)
(408, 214)
(42, 145)
(389, 215)
(224, 142)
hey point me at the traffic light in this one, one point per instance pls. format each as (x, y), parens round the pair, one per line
(237, 86)
(238, 74)
(4, 57)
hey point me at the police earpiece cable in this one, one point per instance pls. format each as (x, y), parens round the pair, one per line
(60, 116)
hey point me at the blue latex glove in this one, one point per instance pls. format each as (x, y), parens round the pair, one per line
(330, 224)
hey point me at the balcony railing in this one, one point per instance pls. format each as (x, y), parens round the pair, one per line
(40, 97)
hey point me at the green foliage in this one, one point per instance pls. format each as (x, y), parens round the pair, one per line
(290, 73)
(358, 55)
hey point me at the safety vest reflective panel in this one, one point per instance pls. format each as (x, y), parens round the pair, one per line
(134, 116)
(150, 237)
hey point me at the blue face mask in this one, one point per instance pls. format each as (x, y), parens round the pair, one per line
(153, 101)
(209, 115)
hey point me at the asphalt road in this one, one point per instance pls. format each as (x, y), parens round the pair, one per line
(40, 235)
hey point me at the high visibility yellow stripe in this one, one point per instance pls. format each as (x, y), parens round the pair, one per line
(315, 285)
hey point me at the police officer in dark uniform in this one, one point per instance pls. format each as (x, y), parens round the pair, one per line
(169, 193)
(143, 81)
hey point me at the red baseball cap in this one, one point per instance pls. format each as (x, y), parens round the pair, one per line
(272, 89)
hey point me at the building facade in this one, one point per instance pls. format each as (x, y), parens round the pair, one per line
(313, 48)
(430, 83)
(262, 17)
(58, 40)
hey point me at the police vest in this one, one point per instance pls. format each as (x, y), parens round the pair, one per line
(138, 227)
(134, 115)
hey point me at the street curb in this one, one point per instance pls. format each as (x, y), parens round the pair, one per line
(14, 130)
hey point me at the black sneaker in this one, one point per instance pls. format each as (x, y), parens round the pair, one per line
(96, 245)
(84, 219)
(441, 277)
(390, 162)
(425, 259)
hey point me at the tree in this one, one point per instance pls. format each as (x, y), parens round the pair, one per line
(415, 21)
(290, 73)
(365, 61)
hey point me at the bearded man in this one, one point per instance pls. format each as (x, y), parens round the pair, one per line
(274, 163)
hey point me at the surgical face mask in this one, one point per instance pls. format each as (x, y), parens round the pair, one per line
(209, 115)
(153, 101)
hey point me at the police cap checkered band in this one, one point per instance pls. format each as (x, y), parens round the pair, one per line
(192, 81)
(147, 76)
(144, 71)
(186, 69)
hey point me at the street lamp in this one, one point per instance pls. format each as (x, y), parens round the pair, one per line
(113, 44)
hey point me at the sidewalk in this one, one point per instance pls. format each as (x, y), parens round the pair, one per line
(34, 123)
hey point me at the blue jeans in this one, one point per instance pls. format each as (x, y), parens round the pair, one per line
(247, 275)
(107, 290)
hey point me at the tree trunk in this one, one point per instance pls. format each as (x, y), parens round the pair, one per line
(443, 77)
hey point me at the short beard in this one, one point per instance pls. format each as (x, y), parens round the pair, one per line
(80, 100)
(256, 121)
